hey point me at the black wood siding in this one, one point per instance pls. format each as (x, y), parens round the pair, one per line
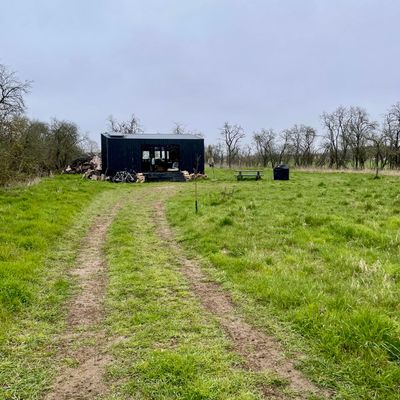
(119, 153)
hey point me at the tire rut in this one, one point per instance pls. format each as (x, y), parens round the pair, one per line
(82, 348)
(262, 353)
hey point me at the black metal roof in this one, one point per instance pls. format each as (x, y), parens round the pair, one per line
(161, 136)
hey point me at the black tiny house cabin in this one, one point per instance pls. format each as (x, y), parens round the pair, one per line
(151, 153)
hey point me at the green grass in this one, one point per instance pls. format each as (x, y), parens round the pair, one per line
(40, 233)
(168, 348)
(315, 260)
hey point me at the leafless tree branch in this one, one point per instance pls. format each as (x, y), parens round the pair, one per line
(232, 134)
(129, 127)
(12, 92)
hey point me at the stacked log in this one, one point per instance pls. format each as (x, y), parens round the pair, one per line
(186, 175)
(198, 176)
(193, 176)
(140, 178)
(84, 164)
(94, 173)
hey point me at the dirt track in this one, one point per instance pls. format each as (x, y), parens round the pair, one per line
(261, 352)
(84, 341)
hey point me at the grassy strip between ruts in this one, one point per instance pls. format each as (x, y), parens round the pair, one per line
(165, 346)
(315, 260)
(42, 228)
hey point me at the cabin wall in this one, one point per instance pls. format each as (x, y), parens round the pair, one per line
(119, 154)
(104, 149)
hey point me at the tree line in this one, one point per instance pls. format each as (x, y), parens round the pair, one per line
(30, 148)
(349, 139)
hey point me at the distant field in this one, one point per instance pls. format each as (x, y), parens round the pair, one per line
(316, 261)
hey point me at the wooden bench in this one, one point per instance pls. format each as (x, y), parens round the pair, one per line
(248, 173)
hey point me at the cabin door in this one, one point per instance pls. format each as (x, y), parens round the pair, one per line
(160, 158)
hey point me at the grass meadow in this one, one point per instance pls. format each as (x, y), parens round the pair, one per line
(40, 233)
(168, 347)
(315, 261)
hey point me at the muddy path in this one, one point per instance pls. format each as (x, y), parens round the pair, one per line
(82, 347)
(260, 351)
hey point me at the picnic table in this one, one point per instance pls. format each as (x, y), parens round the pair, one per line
(240, 174)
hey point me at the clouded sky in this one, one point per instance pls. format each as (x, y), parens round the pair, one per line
(258, 63)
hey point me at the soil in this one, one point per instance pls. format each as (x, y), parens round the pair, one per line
(260, 351)
(82, 347)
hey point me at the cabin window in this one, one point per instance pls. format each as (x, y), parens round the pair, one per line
(160, 158)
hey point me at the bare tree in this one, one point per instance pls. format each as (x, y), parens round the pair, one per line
(232, 134)
(89, 145)
(379, 148)
(265, 145)
(12, 92)
(336, 138)
(308, 144)
(301, 144)
(179, 129)
(391, 130)
(129, 127)
(332, 137)
(360, 128)
(283, 145)
(295, 143)
(246, 156)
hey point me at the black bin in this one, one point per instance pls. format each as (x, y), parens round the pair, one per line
(281, 172)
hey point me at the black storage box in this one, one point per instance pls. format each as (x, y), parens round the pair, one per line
(281, 172)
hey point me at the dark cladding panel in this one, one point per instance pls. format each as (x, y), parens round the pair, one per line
(191, 151)
(121, 153)
(104, 147)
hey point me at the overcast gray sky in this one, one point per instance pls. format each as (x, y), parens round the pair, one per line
(258, 63)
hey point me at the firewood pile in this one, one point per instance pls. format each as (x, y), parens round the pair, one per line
(88, 166)
(193, 176)
(95, 175)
